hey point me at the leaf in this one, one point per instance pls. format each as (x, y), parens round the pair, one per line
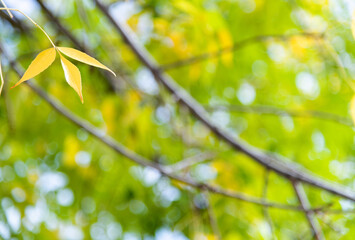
(352, 108)
(42, 61)
(353, 24)
(1, 79)
(83, 57)
(72, 75)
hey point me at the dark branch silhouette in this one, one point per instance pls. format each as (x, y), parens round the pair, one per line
(271, 110)
(121, 149)
(234, 47)
(312, 220)
(274, 162)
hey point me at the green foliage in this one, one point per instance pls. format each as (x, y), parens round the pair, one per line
(58, 182)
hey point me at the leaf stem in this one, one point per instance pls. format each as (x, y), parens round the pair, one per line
(8, 11)
(34, 23)
(339, 64)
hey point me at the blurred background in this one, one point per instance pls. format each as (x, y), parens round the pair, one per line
(282, 88)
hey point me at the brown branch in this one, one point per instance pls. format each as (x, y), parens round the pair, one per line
(212, 218)
(270, 110)
(181, 129)
(327, 46)
(14, 22)
(273, 162)
(190, 161)
(61, 28)
(234, 47)
(330, 225)
(312, 220)
(264, 196)
(122, 150)
(322, 210)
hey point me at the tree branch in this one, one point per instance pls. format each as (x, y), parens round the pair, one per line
(270, 110)
(14, 22)
(264, 196)
(190, 161)
(273, 162)
(234, 47)
(61, 28)
(122, 150)
(312, 220)
(212, 218)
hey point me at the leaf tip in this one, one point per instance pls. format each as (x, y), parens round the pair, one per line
(14, 86)
(114, 74)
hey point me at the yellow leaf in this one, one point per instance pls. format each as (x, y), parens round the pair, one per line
(2, 79)
(352, 108)
(72, 75)
(83, 57)
(42, 61)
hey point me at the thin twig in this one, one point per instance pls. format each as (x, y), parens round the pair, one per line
(338, 62)
(32, 21)
(212, 218)
(184, 137)
(61, 28)
(8, 11)
(15, 23)
(190, 161)
(265, 209)
(270, 110)
(119, 148)
(122, 150)
(323, 210)
(274, 163)
(330, 225)
(234, 47)
(312, 220)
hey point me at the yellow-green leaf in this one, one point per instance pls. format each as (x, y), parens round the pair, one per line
(1, 79)
(42, 61)
(353, 24)
(72, 75)
(83, 57)
(352, 108)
